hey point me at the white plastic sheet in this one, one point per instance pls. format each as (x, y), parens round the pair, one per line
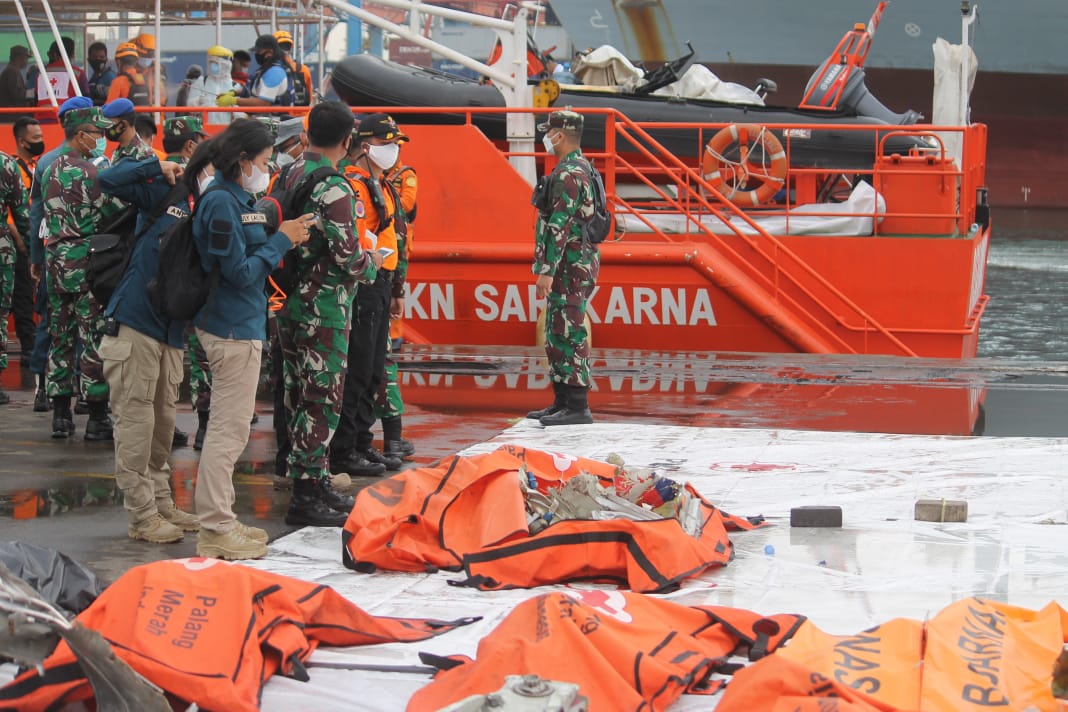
(880, 565)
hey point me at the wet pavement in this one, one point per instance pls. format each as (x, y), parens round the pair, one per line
(62, 494)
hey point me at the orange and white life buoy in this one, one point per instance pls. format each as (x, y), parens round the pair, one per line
(728, 164)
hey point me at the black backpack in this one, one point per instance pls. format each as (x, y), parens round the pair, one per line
(287, 204)
(110, 249)
(301, 90)
(600, 225)
(181, 286)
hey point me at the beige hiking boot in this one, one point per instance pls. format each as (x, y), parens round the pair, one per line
(253, 533)
(230, 545)
(183, 520)
(155, 529)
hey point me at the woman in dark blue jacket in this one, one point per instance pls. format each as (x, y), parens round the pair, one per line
(142, 355)
(231, 236)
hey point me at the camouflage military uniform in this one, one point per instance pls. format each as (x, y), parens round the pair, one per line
(15, 202)
(313, 326)
(573, 262)
(74, 206)
(136, 149)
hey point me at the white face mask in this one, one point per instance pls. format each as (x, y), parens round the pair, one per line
(204, 182)
(385, 157)
(550, 148)
(144, 62)
(257, 181)
(284, 159)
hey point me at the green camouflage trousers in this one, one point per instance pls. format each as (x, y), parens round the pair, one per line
(7, 285)
(199, 372)
(74, 315)
(567, 343)
(314, 359)
(388, 401)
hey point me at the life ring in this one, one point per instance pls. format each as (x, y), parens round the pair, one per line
(727, 167)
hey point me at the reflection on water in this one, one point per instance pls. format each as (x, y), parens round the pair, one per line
(1027, 280)
(29, 504)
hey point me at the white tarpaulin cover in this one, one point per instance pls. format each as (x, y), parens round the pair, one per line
(849, 219)
(946, 109)
(881, 564)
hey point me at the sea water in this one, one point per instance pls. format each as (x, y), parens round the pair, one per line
(1027, 281)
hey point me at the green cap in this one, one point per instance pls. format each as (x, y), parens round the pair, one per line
(86, 117)
(183, 125)
(565, 119)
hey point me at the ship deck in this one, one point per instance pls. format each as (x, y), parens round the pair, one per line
(756, 434)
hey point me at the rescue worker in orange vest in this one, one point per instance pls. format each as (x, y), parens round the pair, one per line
(373, 150)
(302, 80)
(146, 64)
(129, 84)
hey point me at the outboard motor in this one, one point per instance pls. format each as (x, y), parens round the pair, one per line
(854, 97)
(838, 85)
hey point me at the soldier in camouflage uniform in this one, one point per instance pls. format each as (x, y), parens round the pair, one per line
(313, 326)
(566, 265)
(123, 132)
(73, 208)
(15, 203)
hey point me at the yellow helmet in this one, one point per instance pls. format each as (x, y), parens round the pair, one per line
(126, 49)
(220, 51)
(284, 37)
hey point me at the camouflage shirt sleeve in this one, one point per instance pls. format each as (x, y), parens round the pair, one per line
(569, 191)
(15, 199)
(336, 203)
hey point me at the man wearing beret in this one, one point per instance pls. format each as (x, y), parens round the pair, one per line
(123, 132)
(566, 265)
(74, 207)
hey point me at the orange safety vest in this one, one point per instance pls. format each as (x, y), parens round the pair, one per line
(212, 633)
(468, 513)
(974, 655)
(624, 650)
(375, 220)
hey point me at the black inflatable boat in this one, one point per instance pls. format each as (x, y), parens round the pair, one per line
(367, 80)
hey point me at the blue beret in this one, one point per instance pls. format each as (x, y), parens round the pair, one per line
(77, 102)
(117, 108)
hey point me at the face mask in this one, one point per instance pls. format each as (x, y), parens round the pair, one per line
(97, 64)
(284, 159)
(35, 148)
(213, 69)
(384, 156)
(204, 182)
(262, 58)
(101, 146)
(257, 181)
(550, 147)
(114, 133)
(144, 63)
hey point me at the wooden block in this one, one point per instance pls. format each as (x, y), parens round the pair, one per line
(816, 516)
(941, 510)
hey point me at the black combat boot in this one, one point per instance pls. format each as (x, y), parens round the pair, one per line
(41, 402)
(202, 429)
(62, 419)
(559, 402)
(576, 412)
(355, 464)
(337, 501)
(373, 455)
(180, 439)
(393, 445)
(4, 397)
(99, 425)
(308, 508)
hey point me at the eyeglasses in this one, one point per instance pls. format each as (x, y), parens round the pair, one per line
(95, 133)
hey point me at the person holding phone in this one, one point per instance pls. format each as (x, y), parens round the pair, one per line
(233, 243)
(373, 151)
(313, 324)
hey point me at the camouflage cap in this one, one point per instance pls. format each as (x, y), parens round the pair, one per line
(271, 123)
(85, 117)
(565, 119)
(184, 126)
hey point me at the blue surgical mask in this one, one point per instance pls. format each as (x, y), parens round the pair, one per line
(144, 62)
(101, 146)
(213, 69)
